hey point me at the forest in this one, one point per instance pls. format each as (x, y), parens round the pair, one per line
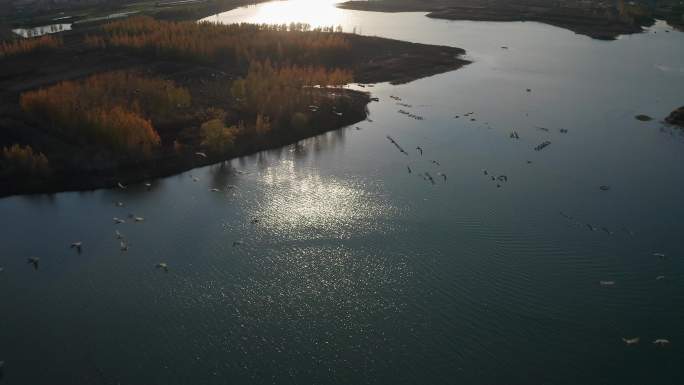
(24, 46)
(235, 44)
(110, 110)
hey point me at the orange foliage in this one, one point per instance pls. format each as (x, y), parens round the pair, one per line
(278, 92)
(238, 43)
(109, 109)
(22, 46)
(217, 137)
(22, 161)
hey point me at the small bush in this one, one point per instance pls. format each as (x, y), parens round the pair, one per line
(22, 161)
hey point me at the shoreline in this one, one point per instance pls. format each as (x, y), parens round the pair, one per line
(602, 23)
(373, 60)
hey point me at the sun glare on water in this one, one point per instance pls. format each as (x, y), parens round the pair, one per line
(317, 13)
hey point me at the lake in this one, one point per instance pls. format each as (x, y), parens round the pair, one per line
(327, 262)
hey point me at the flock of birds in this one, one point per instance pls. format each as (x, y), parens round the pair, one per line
(499, 179)
(123, 243)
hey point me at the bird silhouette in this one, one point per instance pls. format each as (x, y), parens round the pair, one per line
(78, 246)
(33, 261)
(162, 265)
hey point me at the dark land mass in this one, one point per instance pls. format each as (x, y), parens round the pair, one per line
(676, 117)
(599, 20)
(77, 167)
(27, 13)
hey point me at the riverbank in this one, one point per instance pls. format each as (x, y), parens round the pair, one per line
(598, 21)
(78, 167)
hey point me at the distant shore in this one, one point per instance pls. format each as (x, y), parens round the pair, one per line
(598, 22)
(76, 168)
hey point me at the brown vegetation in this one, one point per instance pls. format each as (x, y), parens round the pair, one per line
(110, 110)
(20, 161)
(236, 43)
(23, 46)
(279, 92)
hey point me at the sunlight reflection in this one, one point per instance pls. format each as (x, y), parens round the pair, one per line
(306, 205)
(318, 13)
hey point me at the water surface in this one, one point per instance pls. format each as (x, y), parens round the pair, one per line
(351, 270)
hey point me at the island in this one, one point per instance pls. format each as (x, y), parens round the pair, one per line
(676, 117)
(137, 98)
(604, 20)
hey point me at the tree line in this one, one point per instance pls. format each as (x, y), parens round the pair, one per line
(24, 46)
(280, 92)
(110, 110)
(237, 44)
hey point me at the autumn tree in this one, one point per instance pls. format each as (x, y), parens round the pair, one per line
(22, 161)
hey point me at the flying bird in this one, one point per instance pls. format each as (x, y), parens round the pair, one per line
(607, 283)
(118, 235)
(162, 265)
(436, 162)
(77, 245)
(631, 341)
(661, 342)
(123, 246)
(120, 185)
(201, 154)
(33, 261)
(118, 221)
(409, 169)
(420, 150)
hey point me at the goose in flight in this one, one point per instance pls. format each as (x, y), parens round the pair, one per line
(607, 283)
(77, 245)
(661, 342)
(162, 265)
(119, 204)
(660, 277)
(118, 235)
(33, 261)
(631, 341)
(409, 169)
(139, 219)
(436, 162)
(420, 150)
(120, 185)
(123, 246)
(201, 154)
(118, 221)
(148, 185)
